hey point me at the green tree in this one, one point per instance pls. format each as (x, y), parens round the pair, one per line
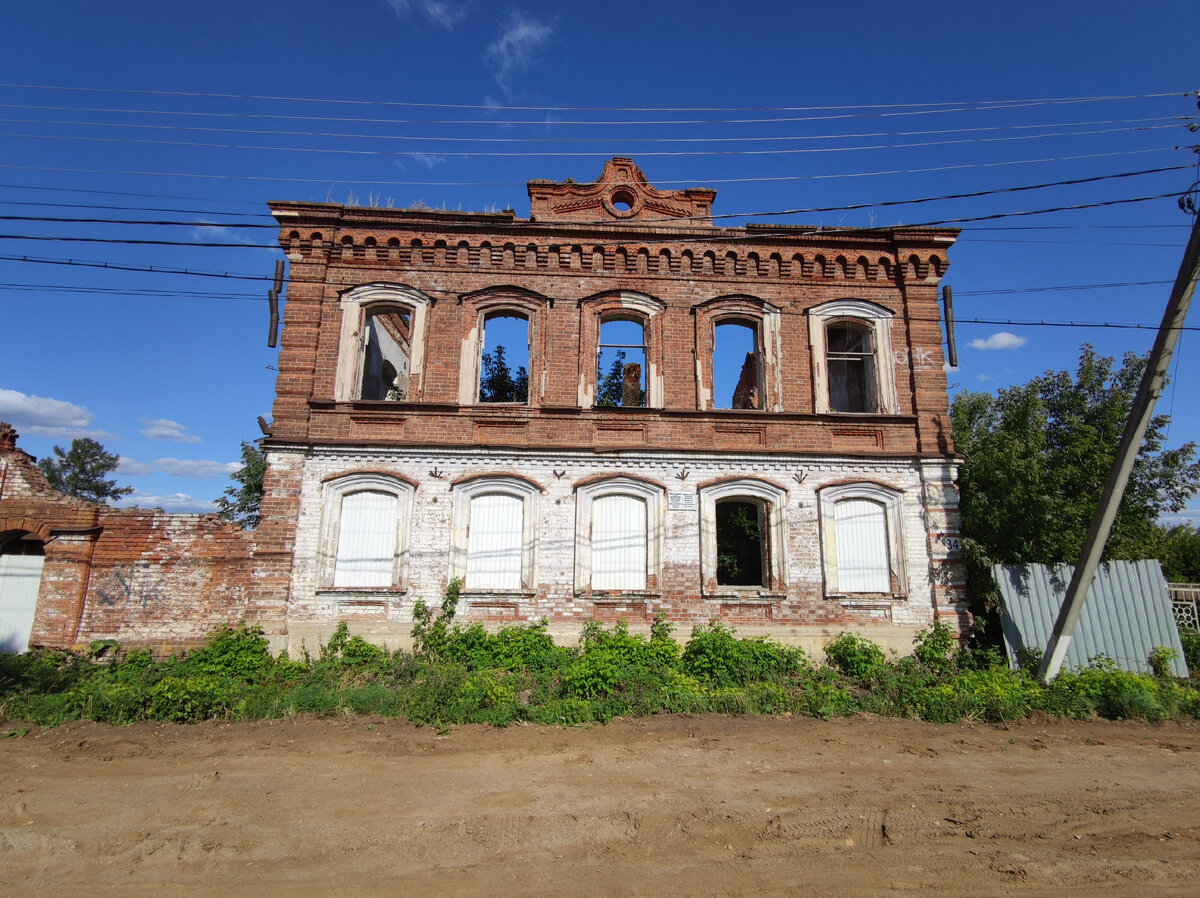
(81, 471)
(1179, 552)
(1036, 457)
(240, 502)
(497, 382)
(611, 390)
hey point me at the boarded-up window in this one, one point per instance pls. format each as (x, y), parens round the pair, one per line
(494, 541)
(619, 543)
(860, 531)
(366, 546)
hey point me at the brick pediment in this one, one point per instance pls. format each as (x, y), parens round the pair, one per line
(620, 194)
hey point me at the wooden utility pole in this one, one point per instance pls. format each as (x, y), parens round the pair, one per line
(1135, 429)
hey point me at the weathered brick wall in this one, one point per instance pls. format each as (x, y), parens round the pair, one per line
(934, 585)
(143, 577)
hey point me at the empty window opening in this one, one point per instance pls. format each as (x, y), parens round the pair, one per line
(494, 538)
(736, 372)
(863, 554)
(621, 364)
(366, 546)
(504, 364)
(619, 543)
(851, 358)
(386, 355)
(741, 550)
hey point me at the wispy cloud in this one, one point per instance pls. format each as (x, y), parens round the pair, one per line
(999, 340)
(429, 160)
(446, 14)
(215, 233)
(516, 47)
(173, 502)
(44, 417)
(984, 378)
(165, 429)
(189, 468)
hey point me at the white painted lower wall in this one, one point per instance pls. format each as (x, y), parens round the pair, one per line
(799, 612)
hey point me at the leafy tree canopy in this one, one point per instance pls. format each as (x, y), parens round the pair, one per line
(1036, 458)
(81, 471)
(497, 382)
(240, 502)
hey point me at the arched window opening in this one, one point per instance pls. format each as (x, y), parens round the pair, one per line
(851, 358)
(504, 363)
(22, 556)
(741, 550)
(736, 366)
(621, 364)
(386, 355)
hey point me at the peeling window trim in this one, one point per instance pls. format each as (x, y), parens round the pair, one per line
(463, 494)
(585, 495)
(356, 304)
(774, 499)
(892, 501)
(333, 492)
(867, 314)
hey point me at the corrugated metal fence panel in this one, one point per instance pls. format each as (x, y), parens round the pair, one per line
(1127, 613)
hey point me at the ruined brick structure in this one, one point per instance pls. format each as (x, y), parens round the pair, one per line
(73, 571)
(741, 424)
(618, 481)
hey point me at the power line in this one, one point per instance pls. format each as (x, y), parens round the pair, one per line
(353, 182)
(846, 208)
(1003, 104)
(559, 154)
(411, 138)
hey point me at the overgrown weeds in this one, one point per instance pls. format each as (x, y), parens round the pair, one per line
(459, 674)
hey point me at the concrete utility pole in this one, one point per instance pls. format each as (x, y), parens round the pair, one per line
(1135, 429)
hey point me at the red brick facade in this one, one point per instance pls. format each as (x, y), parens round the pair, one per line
(615, 249)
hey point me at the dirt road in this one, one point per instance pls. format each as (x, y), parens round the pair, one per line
(665, 806)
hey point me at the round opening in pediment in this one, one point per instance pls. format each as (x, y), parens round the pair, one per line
(622, 202)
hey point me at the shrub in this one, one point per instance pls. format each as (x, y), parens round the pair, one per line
(854, 656)
(1191, 649)
(714, 655)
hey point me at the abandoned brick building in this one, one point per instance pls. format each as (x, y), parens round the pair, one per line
(611, 409)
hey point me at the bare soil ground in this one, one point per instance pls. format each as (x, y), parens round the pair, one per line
(675, 805)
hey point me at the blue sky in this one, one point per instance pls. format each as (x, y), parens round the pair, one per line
(199, 114)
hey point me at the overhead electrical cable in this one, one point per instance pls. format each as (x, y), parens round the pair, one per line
(611, 139)
(355, 182)
(986, 104)
(555, 154)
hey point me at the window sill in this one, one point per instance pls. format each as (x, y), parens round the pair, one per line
(753, 594)
(868, 599)
(496, 595)
(614, 598)
(365, 592)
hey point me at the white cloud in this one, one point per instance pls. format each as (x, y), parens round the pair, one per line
(983, 378)
(43, 417)
(189, 468)
(445, 14)
(516, 47)
(173, 502)
(220, 234)
(166, 429)
(999, 340)
(429, 160)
